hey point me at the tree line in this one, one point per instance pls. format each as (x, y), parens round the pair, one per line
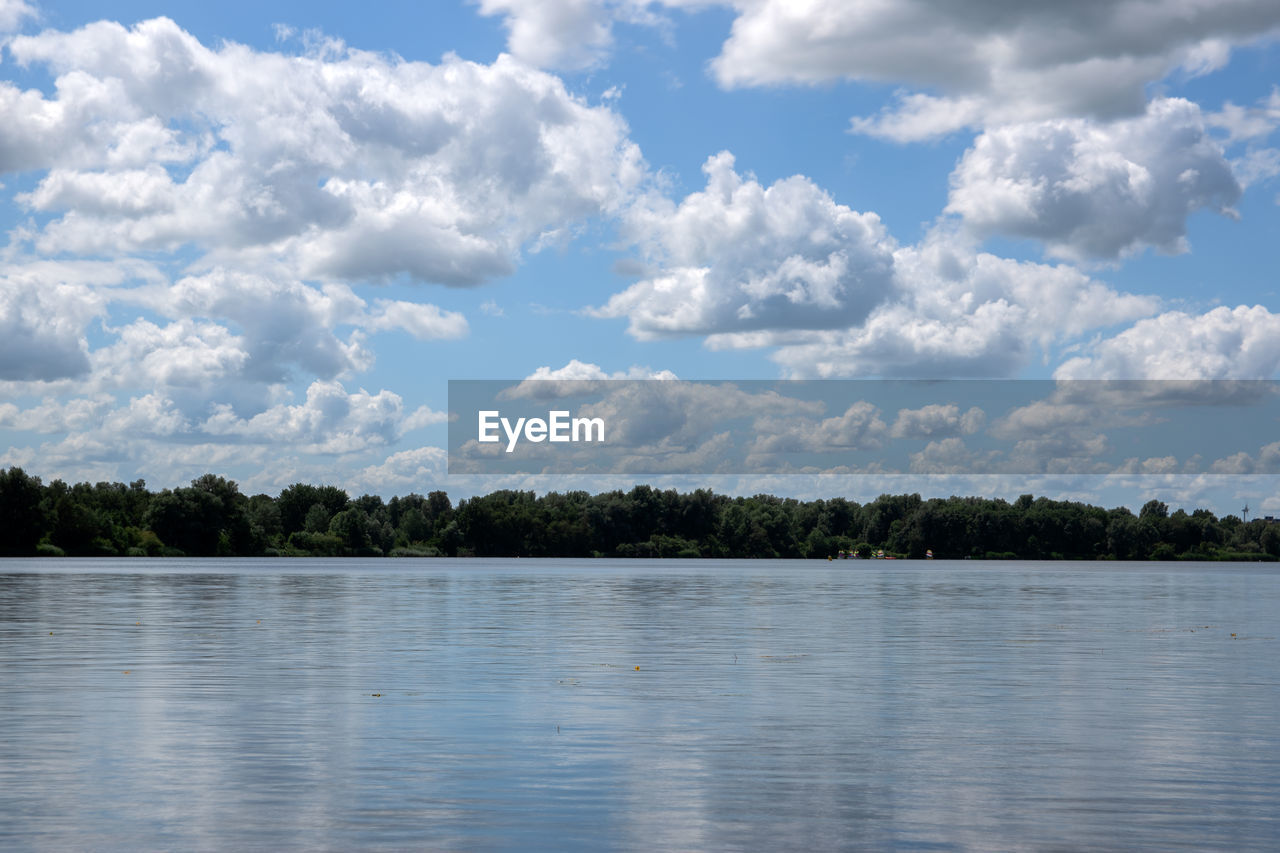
(211, 517)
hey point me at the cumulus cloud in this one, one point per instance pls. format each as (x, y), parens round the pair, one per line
(1095, 190)
(665, 417)
(556, 34)
(964, 64)
(348, 164)
(988, 62)
(13, 13)
(785, 266)
(46, 309)
(185, 354)
(938, 420)
(1044, 417)
(330, 420)
(1266, 461)
(955, 313)
(859, 427)
(576, 369)
(1225, 343)
(52, 415)
(418, 470)
(575, 378)
(738, 256)
(570, 34)
(42, 327)
(424, 322)
(284, 325)
(154, 432)
(149, 416)
(948, 455)
(235, 336)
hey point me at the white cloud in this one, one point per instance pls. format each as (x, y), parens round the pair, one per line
(1249, 123)
(1267, 461)
(938, 420)
(424, 322)
(1225, 343)
(947, 456)
(421, 417)
(575, 377)
(738, 256)
(287, 327)
(343, 163)
(157, 434)
(984, 61)
(1044, 417)
(46, 308)
(13, 13)
(149, 416)
(575, 370)
(956, 313)
(1095, 190)
(42, 327)
(1064, 452)
(859, 427)
(284, 324)
(1252, 126)
(788, 267)
(990, 61)
(420, 470)
(656, 418)
(186, 354)
(329, 421)
(570, 34)
(210, 367)
(52, 415)
(554, 33)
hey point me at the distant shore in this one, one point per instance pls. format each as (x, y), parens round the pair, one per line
(212, 518)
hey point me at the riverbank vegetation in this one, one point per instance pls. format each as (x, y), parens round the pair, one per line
(211, 517)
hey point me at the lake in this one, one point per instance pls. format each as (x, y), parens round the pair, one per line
(638, 705)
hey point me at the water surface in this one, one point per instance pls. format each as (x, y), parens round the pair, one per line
(635, 705)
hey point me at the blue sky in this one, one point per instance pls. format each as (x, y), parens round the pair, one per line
(258, 239)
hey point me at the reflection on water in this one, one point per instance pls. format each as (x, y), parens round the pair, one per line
(635, 705)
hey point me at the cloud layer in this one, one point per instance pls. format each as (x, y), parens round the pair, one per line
(347, 164)
(263, 189)
(1001, 62)
(211, 243)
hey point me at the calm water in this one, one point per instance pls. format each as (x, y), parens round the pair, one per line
(777, 705)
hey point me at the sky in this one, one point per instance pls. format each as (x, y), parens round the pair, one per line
(259, 239)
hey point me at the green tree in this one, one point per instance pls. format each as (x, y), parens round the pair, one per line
(20, 508)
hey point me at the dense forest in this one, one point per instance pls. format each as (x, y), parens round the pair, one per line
(211, 517)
